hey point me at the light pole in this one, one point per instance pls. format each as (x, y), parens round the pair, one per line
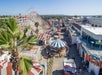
(43, 66)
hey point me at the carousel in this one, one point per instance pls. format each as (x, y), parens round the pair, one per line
(56, 48)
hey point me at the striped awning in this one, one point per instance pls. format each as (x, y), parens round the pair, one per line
(44, 36)
(58, 43)
(6, 67)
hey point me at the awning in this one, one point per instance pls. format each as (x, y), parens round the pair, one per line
(6, 67)
(58, 43)
(44, 36)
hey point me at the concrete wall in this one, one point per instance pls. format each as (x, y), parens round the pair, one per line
(80, 51)
(74, 39)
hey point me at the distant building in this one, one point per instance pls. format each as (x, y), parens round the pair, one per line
(96, 22)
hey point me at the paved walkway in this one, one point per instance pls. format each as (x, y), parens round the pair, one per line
(58, 62)
(73, 53)
(58, 66)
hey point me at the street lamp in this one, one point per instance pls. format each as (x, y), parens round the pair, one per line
(43, 66)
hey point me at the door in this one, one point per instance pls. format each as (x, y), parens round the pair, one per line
(100, 71)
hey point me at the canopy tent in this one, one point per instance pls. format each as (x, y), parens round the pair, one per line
(44, 36)
(57, 47)
(58, 43)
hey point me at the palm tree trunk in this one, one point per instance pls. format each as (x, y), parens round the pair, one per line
(38, 31)
(50, 65)
(16, 73)
(14, 60)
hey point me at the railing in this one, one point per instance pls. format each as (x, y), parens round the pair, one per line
(91, 45)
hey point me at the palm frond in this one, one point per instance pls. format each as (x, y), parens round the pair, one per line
(25, 32)
(20, 36)
(26, 64)
(32, 39)
(5, 39)
(12, 27)
(26, 29)
(2, 23)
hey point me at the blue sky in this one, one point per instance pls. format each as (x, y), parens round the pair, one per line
(65, 7)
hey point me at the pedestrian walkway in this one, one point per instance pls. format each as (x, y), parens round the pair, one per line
(58, 66)
(74, 54)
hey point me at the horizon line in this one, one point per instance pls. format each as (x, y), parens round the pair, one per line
(54, 14)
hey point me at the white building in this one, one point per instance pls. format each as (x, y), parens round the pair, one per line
(97, 22)
(89, 44)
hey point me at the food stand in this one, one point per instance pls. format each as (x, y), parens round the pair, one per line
(69, 67)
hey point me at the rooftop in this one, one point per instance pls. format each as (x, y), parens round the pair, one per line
(94, 30)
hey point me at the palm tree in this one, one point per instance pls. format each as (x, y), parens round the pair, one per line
(37, 31)
(37, 25)
(12, 39)
(50, 66)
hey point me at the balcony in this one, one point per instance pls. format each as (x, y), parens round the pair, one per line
(92, 44)
(92, 49)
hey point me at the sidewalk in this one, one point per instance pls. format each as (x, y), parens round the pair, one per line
(74, 54)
